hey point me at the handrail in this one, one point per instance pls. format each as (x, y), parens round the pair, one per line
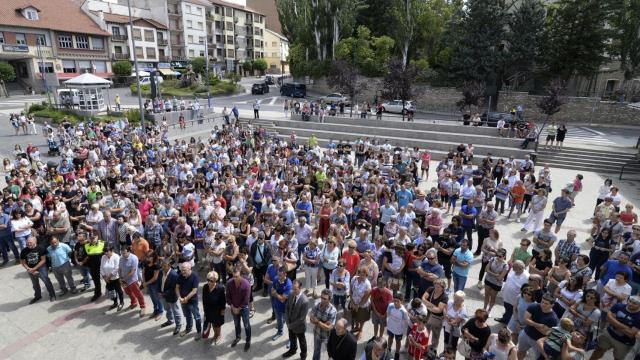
(632, 162)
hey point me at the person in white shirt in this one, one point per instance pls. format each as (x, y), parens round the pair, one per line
(397, 322)
(109, 270)
(517, 277)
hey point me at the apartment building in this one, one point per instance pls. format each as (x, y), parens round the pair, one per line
(276, 51)
(237, 35)
(51, 38)
(187, 28)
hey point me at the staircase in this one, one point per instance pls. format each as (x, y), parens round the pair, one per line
(607, 162)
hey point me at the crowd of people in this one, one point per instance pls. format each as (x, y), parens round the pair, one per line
(336, 239)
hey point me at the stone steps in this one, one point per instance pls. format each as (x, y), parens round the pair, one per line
(600, 161)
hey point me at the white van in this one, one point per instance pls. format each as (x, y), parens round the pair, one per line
(147, 80)
(68, 97)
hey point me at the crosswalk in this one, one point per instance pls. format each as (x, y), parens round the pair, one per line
(585, 134)
(274, 100)
(17, 104)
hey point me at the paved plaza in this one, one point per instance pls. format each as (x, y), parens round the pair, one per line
(72, 328)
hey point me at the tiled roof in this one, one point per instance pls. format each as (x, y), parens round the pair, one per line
(124, 19)
(60, 15)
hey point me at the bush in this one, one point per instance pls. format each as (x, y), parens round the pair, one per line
(133, 116)
(213, 80)
(122, 68)
(146, 89)
(57, 115)
(35, 108)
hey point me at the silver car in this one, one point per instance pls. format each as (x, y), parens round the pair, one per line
(395, 106)
(335, 98)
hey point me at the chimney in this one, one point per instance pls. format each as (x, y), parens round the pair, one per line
(101, 16)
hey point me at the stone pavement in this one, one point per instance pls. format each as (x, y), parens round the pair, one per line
(73, 328)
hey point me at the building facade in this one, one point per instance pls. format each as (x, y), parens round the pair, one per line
(276, 51)
(187, 28)
(47, 42)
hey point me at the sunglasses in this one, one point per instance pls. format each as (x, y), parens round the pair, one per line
(431, 258)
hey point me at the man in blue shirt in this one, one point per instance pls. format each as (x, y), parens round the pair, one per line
(461, 261)
(6, 240)
(58, 253)
(538, 318)
(561, 206)
(269, 278)
(429, 271)
(624, 320)
(404, 196)
(468, 214)
(611, 267)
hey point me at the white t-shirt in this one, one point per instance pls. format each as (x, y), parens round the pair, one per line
(574, 296)
(607, 300)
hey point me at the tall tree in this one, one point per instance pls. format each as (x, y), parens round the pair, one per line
(398, 83)
(479, 51)
(575, 38)
(432, 25)
(522, 50)
(625, 23)
(472, 95)
(345, 78)
(551, 103)
(405, 15)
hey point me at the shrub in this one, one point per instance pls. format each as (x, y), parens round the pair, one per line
(35, 108)
(122, 68)
(133, 116)
(57, 115)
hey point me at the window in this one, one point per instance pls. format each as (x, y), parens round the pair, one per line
(115, 30)
(190, 39)
(200, 25)
(229, 39)
(151, 53)
(21, 39)
(139, 51)
(201, 40)
(100, 66)
(230, 53)
(68, 66)
(85, 66)
(217, 10)
(31, 14)
(229, 26)
(201, 52)
(219, 53)
(137, 34)
(189, 24)
(148, 36)
(192, 53)
(65, 41)
(47, 68)
(217, 25)
(188, 9)
(275, 55)
(97, 43)
(41, 40)
(82, 42)
(1, 37)
(228, 11)
(198, 10)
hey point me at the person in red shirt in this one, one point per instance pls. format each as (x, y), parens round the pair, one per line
(418, 338)
(351, 258)
(517, 198)
(381, 297)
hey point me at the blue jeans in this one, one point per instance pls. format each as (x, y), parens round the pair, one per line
(244, 315)
(459, 282)
(154, 294)
(280, 321)
(174, 312)
(191, 312)
(6, 244)
(43, 275)
(22, 241)
(86, 275)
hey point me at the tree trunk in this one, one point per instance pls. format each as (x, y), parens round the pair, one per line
(316, 33)
(546, 120)
(336, 36)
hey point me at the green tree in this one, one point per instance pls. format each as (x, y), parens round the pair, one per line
(432, 27)
(371, 15)
(7, 73)
(522, 50)
(625, 43)
(297, 60)
(552, 102)
(248, 67)
(473, 94)
(199, 65)
(405, 15)
(260, 65)
(398, 83)
(122, 68)
(344, 78)
(575, 37)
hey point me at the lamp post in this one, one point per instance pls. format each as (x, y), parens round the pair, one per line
(135, 63)
(44, 80)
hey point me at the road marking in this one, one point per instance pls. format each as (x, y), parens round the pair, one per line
(273, 100)
(592, 131)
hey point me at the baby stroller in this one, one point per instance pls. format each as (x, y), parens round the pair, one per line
(54, 149)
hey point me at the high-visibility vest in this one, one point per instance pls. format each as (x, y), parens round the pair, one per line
(97, 249)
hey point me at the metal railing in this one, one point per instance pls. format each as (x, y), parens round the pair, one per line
(119, 37)
(120, 56)
(635, 162)
(163, 42)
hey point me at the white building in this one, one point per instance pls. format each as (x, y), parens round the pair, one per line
(188, 30)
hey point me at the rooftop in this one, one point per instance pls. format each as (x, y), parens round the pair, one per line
(59, 15)
(124, 19)
(236, 6)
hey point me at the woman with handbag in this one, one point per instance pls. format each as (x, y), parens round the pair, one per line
(435, 299)
(455, 315)
(475, 334)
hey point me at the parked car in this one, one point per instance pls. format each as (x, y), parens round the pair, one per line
(147, 80)
(293, 90)
(260, 88)
(395, 106)
(335, 98)
(491, 119)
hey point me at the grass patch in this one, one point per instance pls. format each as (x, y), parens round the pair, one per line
(57, 115)
(170, 88)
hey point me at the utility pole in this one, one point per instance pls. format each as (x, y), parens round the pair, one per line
(135, 63)
(44, 80)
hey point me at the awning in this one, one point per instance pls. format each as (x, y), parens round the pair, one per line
(168, 72)
(140, 73)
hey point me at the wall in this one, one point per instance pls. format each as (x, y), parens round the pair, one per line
(195, 32)
(576, 109)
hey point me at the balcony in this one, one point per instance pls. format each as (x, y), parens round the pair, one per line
(163, 58)
(174, 11)
(163, 42)
(115, 56)
(119, 37)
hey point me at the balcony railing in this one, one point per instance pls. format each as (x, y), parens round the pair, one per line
(174, 11)
(120, 56)
(119, 37)
(163, 58)
(163, 42)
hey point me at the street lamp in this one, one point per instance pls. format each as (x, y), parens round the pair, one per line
(135, 62)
